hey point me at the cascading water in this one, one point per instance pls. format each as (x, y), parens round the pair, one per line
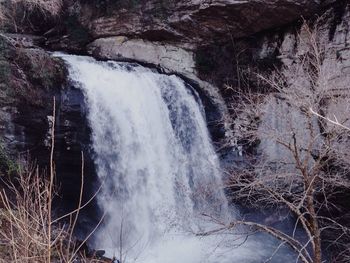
(160, 175)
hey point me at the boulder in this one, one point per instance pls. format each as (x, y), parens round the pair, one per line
(169, 57)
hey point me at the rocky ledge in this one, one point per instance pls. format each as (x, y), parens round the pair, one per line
(195, 21)
(170, 33)
(194, 38)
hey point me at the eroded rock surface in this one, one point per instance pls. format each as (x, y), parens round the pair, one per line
(196, 21)
(30, 80)
(169, 57)
(171, 33)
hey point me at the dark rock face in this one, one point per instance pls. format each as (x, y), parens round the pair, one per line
(72, 149)
(193, 21)
(31, 79)
(186, 25)
(198, 39)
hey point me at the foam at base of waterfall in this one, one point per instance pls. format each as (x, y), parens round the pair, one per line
(188, 248)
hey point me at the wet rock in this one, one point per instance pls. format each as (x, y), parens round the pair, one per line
(30, 80)
(72, 145)
(172, 60)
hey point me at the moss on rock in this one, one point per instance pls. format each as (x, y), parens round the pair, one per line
(26, 74)
(29, 78)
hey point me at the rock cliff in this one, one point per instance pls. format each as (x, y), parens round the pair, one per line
(218, 45)
(177, 27)
(30, 80)
(194, 21)
(205, 41)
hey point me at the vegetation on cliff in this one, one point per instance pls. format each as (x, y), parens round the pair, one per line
(302, 164)
(28, 15)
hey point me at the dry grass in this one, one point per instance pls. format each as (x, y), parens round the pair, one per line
(51, 7)
(25, 231)
(14, 11)
(28, 232)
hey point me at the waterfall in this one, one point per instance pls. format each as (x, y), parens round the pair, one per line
(160, 174)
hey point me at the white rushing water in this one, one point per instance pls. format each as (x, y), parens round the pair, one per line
(160, 174)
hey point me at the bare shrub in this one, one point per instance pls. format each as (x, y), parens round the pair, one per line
(26, 228)
(28, 231)
(303, 163)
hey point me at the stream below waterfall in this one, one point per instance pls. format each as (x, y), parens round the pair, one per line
(160, 176)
